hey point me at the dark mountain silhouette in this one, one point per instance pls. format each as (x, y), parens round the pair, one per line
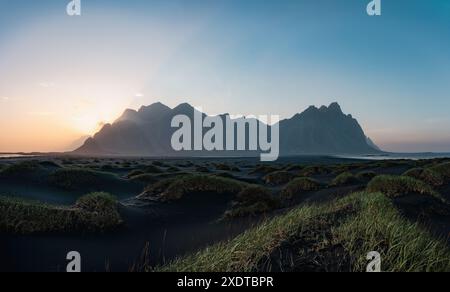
(325, 130)
(148, 132)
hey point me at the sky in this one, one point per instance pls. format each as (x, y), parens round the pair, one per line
(63, 77)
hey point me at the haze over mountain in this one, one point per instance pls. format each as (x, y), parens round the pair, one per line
(148, 132)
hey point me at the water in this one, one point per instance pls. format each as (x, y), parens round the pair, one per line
(394, 156)
(14, 155)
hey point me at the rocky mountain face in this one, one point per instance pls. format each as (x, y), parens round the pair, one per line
(148, 132)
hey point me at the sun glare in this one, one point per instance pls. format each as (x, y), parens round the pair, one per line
(87, 125)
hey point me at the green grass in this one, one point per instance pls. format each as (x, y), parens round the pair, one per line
(365, 175)
(49, 164)
(278, 178)
(224, 175)
(293, 168)
(404, 246)
(159, 164)
(264, 169)
(398, 186)
(79, 178)
(223, 167)
(251, 201)
(152, 169)
(21, 169)
(134, 173)
(346, 178)
(315, 170)
(144, 178)
(341, 168)
(372, 225)
(299, 186)
(442, 169)
(92, 213)
(427, 175)
(176, 188)
(203, 169)
(173, 169)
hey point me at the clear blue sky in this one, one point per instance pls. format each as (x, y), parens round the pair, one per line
(72, 74)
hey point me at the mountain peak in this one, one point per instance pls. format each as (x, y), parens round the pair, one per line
(183, 108)
(154, 107)
(311, 108)
(335, 107)
(318, 130)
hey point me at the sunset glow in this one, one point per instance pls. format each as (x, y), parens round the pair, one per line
(63, 77)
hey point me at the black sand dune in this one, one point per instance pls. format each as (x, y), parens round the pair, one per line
(155, 232)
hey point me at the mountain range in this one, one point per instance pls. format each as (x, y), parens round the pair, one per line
(148, 132)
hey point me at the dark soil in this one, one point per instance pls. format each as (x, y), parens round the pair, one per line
(171, 230)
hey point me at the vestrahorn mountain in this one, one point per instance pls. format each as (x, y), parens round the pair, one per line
(148, 132)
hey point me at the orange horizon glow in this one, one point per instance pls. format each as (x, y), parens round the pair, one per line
(62, 78)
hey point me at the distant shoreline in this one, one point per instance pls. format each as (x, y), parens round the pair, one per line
(382, 156)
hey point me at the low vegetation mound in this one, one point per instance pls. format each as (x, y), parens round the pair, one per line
(176, 188)
(264, 169)
(145, 179)
(344, 179)
(23, 170)
(315, 170)
(173, 169)
(349, 228)
(347, 167)
(427, 175)
(134, 173)
(151, 169)
(93, 213)
(293, 168)
(278, 178)
(49, 164)
(399, 186)
(223, 167)
(79, 179)
(159, 164)
(300, 185)
(442, 169)
(203, 169)
(365, 176)
(251, 201)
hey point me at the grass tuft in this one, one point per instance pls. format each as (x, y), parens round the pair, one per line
(366, 175)
(21, 169)
(251, 201)
(442, 169)
(78, 178)
(97, 212)
(427, 175)
(404, 246)
(278, 178)
(346, 178)
(372, 225)
(298, 186)
(399, 186)
(176, 188)
(315, 170)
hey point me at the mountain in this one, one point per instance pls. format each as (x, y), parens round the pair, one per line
(148, 132)
(77, 143)
(325, 130)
